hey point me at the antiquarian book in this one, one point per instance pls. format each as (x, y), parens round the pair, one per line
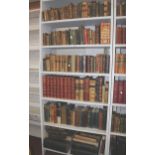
(118, 122)
(121, 8)
(120, 34)
(119, 94)
(105, 33)
(107, 7)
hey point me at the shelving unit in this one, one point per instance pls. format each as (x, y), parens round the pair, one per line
(34, 103)
(48, 26)
(121, 76)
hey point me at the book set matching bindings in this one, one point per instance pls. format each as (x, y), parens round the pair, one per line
(88, 88)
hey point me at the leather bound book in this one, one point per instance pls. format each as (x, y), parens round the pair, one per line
(50, 87)
(81, 146)
(47, 112)
(75, 11)
(77, 94)
(100, 119)
(106, 91)
(85, 9)
(124, 34)
(124, 90)
(120, 92)
(116, 91)
(63, 114)
(117, 63)
(107, 63)
(44, 80)
(85, 36)
(104, 118)
(97, 34)
(92, 90)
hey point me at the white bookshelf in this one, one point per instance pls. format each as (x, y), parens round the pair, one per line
(117, 20)
(48, 26)
(34, 102)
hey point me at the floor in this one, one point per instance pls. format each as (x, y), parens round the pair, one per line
(35, 146)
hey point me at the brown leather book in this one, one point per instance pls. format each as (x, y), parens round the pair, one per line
(85, 9)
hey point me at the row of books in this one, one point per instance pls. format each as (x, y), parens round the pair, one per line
(82, 143)
(80, 10)
(76, 88)
(119, 95)
(121, 7)
(76, 63)
(121, 34)
(99, 34)
(34, 5)
(118, 122)
(63, 113)
(117, 145)
(120, 63)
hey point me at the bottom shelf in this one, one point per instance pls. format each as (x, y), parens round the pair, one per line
(46, 149)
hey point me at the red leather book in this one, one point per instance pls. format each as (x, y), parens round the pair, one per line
(73, 88)
(68, 88)
(115, 93)
(86, 89)
(120, 92)
(44, 86)
(48, 86)
(54, 86)
(57, 86)
(61, 88)
(124, 34)
(124, 88)
(85, 36)
(65, 87)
